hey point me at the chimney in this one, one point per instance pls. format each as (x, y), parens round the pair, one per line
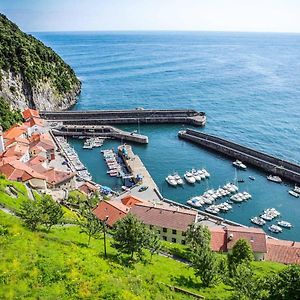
(2, 147)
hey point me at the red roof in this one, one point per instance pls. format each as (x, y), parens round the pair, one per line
(88, 188)
(255, 236)
(36, 121)
(171, 217)
(29, 113)
(131, 200)
(114, 210)
(286, 252)
(13, 132)
(218, 239)
(55, 177)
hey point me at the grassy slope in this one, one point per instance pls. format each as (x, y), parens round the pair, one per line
(59, 265)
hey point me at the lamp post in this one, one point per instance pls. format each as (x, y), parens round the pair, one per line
(104, 234)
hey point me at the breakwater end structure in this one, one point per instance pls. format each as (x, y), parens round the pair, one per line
(134, 116)
(102, 131)
(266, 162)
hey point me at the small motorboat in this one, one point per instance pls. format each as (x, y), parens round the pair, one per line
(297, 189)
(196, 175)
(251, 177)
(238, 164)
(274, 178)
(293, 193)
(188, 176)
(194, 202)
(241, 180)
(171, 180)
(266, 217)
(285, 224)
(275, 229)
(178, 179)
(258, 221)
(213, 209)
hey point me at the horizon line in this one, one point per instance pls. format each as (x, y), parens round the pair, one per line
(164, 31)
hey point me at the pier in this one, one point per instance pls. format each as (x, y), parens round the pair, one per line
(266, 162)
(101, 131)
(134, 116)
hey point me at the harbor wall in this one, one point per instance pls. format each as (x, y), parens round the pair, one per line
(142, 116)
(266, 162)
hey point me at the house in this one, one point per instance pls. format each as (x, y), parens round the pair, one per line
(18, 171)
(224, 238)
(35, 126)
(60, 179)
(29, 113)
(171, 223)
(111, 211)
(14, 132)
(19, 150)
(42, 143)
(285, 252)
(88, 188)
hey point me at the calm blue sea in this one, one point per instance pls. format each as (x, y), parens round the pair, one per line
(247, 83)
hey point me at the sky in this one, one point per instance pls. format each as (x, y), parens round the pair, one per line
(114, 15)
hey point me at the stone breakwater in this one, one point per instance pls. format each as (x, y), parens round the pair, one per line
(266, 162)
(135, 116)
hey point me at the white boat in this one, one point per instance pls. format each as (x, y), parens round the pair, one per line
(239, 164)
(274, 178)
(266, 217)
(258, 221)
(213, 209)
(194, 202)
(275, 229)
(207, 175)
(297, 189)
(178, 179)
(293, 193)
(196, 175)
(251, 177)
(171, 180)
(188, 176)
(285, 224)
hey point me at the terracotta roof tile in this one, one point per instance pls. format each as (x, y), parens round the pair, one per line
(171, 217)
(55, 177)
(113, 209)
(36, 121)
(286, 252)
(218, 239)
(13, 132)
(29, 113)
(131, 200)
(255, 236)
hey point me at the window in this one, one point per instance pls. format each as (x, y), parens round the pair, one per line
(165, 230)
(151, 227)
(183, 233)
(174, 231)
(173, 240)
(164, 238)
(158, 231)
(183, 242)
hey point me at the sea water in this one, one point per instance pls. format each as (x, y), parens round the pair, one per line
(247, 83)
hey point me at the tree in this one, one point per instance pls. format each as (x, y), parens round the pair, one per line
(154, 243)
(286, 284)
(203, 260)
(198, 236)
(90, 224)
(241, 253)
(131, 236)
(51, 211)
(30, 212)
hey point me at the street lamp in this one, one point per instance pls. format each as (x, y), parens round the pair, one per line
(104, 234)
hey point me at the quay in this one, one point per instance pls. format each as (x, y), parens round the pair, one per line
(98, 130)
(266, 162)
(133, 116)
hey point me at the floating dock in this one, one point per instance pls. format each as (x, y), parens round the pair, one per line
(266, 162)
(102, 131)
(134, 116)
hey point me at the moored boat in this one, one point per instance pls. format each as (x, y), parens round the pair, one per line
(274, 178)
(188, 176)
(258, 221)
(275, 229)
(171, 180)
(285, 224)
(293, 193)
(239, 164)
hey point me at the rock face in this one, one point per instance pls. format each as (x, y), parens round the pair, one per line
(33, 75)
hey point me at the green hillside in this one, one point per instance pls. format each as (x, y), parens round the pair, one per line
(21, 53)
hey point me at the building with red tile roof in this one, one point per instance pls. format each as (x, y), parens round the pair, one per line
(14, 132)
(170, 222)
(30, 113)
(59, 179)
(19, 150)
(88, 188)
(224, 238)
(286, 252)
(131, 200)
(111, 211)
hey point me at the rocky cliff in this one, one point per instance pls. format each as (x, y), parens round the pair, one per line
(31, 74)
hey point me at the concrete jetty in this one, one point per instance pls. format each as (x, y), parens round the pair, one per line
(266, 162)
(133, 116)
(103, 131)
